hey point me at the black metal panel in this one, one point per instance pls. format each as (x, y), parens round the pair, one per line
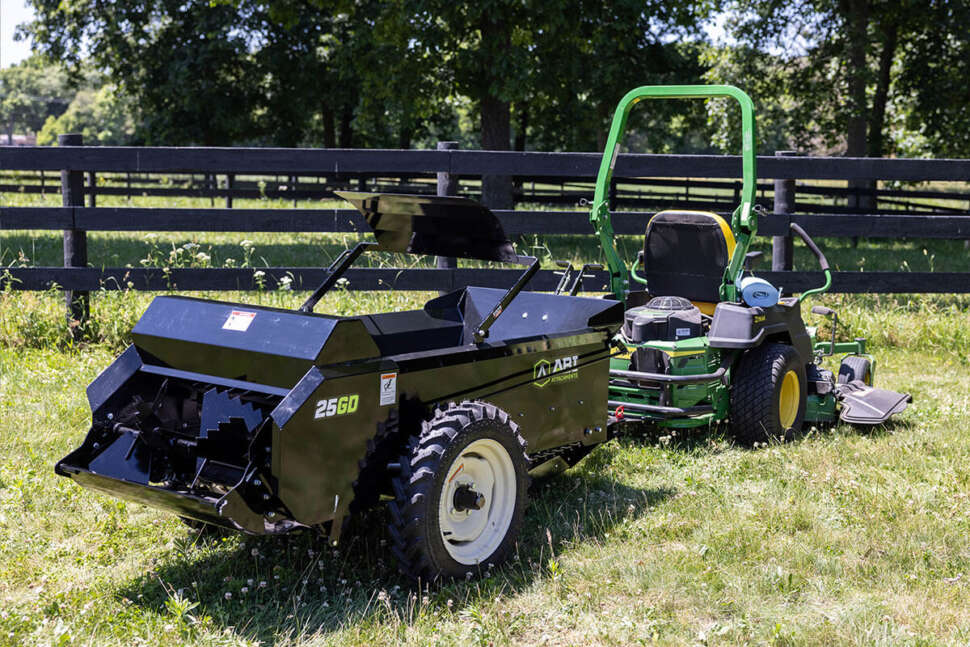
(535, 313)
(433, 225)
(240, 342)
(112, 378)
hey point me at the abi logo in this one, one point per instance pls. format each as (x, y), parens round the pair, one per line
(561, 369)
(336, 406)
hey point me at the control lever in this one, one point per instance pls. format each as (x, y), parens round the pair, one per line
(828, 312)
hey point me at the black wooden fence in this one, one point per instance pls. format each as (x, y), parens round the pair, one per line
(78, 163)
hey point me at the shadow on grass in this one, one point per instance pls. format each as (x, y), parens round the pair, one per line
(275, 589)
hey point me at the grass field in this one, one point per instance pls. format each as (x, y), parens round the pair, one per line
(840, 537)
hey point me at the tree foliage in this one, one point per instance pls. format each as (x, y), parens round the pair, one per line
(864, 77)
(859, 76)
(364, 72)
(30, 92)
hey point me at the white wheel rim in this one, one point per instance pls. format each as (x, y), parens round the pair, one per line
(471, 536)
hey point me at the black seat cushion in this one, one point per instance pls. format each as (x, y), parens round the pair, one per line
(685, 253)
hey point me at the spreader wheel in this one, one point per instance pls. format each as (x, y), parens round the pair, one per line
(854, 368)
(461, 493)
(769, 394)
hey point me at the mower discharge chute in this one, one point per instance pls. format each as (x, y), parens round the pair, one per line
(264, 420)
(703, 342)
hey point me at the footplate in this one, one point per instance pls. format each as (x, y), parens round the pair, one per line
(865, 405)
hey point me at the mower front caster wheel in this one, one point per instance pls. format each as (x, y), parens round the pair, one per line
(769, 394)
(461, 494)
(855, 367)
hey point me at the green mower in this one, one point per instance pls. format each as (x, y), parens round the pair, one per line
(705, 341)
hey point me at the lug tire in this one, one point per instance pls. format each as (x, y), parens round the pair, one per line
(418, 515)
(371, 479)
(855, 368)
(761, 395)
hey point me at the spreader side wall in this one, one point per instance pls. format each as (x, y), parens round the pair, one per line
(553, 388)
(318, 446)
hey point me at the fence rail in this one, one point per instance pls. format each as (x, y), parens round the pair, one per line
(76, 163)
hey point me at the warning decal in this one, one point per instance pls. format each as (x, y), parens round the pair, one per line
(388, 388)
(239, 320)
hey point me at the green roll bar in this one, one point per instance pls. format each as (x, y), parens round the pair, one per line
(744, 222)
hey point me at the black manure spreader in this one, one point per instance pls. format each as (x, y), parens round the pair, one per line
(265, 420)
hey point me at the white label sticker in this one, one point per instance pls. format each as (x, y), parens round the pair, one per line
(683, 332)
(239, 320)
(388, 388)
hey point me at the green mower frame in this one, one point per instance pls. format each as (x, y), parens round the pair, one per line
(754, 365)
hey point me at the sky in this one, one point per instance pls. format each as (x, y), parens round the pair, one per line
(12, 13)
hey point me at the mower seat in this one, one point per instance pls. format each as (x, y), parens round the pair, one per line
(685, 253)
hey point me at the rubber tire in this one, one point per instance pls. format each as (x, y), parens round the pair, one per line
(413, 523)
(371, 479)
(754, 416)
(854, 368)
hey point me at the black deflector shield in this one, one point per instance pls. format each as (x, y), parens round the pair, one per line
(433, 225)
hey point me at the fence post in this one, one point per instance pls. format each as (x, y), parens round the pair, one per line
(75, 240)
(230, 180)
(447, 185)
(782, 247)
(92, 189)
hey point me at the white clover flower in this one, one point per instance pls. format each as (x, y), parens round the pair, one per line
(244, 590)
(249, 582)
(228, 595)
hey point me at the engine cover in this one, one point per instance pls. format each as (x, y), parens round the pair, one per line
(662, 319)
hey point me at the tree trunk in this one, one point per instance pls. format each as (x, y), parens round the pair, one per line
(522, 111)
(857, 18)
(496, 112)
(346, 128)
(877, 123)
(329, 132)
(856, 14)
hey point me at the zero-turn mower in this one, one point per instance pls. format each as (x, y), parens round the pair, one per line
(705, 341)
(265, 420)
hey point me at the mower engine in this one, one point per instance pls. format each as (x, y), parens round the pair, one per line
(662, 319)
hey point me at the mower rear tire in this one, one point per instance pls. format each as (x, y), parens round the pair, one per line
(768, 395)
(854, 368)
(460, 495)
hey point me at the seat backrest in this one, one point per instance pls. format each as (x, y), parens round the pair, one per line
(685, 253)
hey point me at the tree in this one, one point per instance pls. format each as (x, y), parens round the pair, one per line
(30, 92)
(184, 64)
(560, 66)
(101, 115)
(932, 84)
(839, 67)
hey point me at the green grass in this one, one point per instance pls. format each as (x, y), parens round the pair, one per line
(841, 537)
